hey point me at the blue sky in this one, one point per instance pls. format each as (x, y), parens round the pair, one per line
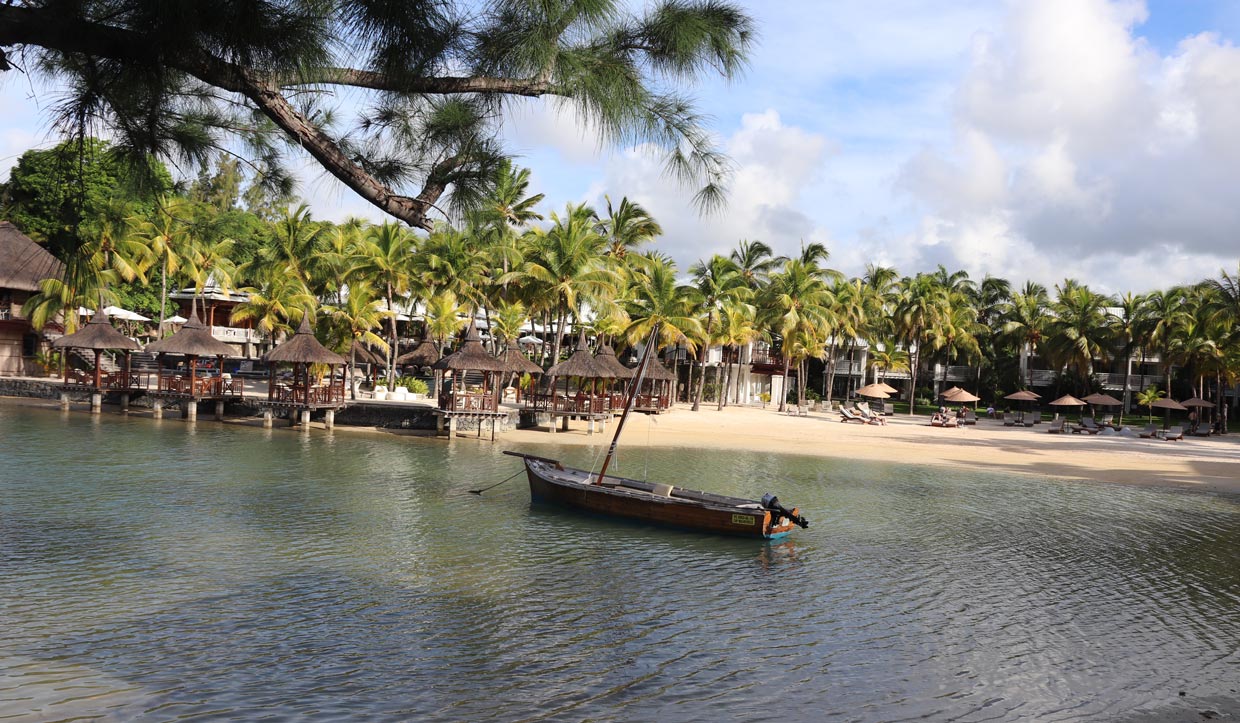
(1038, 139)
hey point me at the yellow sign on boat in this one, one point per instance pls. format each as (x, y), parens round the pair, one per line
(743, 519)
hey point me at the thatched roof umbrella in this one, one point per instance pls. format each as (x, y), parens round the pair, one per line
(301, 351)
(606, 357)
(365, 355)
(1023, 395)
(425, 354)
(192, 340)
(518, 363)
(98, 336)
(657, 373)
(580, 364)
(470, 357)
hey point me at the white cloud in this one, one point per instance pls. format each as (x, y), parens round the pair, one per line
(773, 164)
(1077, 144)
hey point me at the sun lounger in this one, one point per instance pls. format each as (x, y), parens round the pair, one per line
(1149, 432)
(943, 420)
(848, 415)
(970, 417)
(798, 411)
(1087, 425)
(1174, 434)
(1058, 427)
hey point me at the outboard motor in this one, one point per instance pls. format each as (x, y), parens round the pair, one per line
(771, 502)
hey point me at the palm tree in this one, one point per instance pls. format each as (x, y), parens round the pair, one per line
(385, 261)
(755, 261)
(658, 300)
(167, 239)
(563, 265)
(1148, 397)
(1023, 320)
(796, 297)
(920, 308)
(276, 305)
(718, 283)
(1166, 311)
(355, 321)
(444, 318)
(502, 212)
(1128, 322)
(627, 227)
(1077, 333)
(738, 327)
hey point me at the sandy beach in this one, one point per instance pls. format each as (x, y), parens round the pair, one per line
(1202, 463)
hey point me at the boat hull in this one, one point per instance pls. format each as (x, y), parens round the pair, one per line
(663, 505)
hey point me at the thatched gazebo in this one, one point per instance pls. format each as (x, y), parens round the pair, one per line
(425, 354)
(300, 393)
(519, 364)
(192, 341)
(361, 353)
(605, 357)
(656, 392)
(586, 402)
(98, 336)
(463, 399)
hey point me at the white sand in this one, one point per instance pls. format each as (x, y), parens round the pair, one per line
(1206, 463)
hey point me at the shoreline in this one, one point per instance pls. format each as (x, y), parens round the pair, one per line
(1207, 464)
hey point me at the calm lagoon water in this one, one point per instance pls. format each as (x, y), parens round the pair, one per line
(160, 571)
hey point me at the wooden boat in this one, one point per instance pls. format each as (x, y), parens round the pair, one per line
(662, 504)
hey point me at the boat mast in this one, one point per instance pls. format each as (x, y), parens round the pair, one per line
(628, 403)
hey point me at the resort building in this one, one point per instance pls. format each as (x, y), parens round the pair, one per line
(23, 264)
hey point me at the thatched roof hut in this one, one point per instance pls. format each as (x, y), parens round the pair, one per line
(518, 363)
(363, 354)
(99, 334)
(581, 364)
(24, 263)
(470, 357)
(423, 355)
(655, 371)
(606, 358)
(303, 348)
(193, 339)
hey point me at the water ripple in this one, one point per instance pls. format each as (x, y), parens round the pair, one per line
(239, 574)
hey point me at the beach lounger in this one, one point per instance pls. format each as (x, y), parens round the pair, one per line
(970, 417)
(848, 415)
(1058, 427)
(1174, 434)
(1087, 425)
(1149, 432)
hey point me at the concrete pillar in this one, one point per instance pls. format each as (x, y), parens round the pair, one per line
(305, 418)
(267, 417)
(329, 418)
(191, 410)
(157, 407)
(493, 422)
(452, 427)
(219, 411)
(64, 400)
(590, 425)
(125, 402)
(564, 423)
(439, 424)
(96, 402)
